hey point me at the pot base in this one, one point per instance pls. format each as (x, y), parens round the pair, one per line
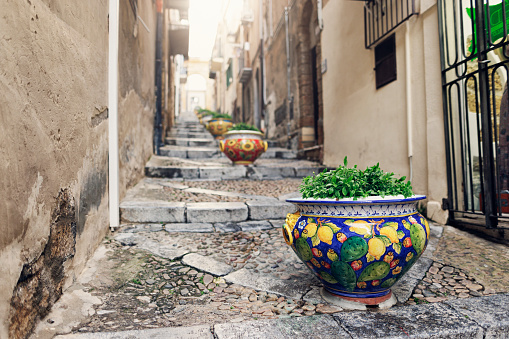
(362, 304)
(243, 162)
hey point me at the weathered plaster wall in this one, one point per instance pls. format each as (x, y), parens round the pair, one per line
(369, 125)
(53, 142)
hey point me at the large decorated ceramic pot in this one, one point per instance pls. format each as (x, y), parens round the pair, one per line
(218, 126)
(243, 147)
(358, 249)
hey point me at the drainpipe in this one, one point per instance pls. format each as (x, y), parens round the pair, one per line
(408, 98)
(113, 115)
(262, 65)
(158, 119)
(288, 74)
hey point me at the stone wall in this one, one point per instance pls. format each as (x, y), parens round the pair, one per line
(54, 142)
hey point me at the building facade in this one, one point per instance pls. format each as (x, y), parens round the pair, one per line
(408, 84)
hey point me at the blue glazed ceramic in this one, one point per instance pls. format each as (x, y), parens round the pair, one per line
(358, 249)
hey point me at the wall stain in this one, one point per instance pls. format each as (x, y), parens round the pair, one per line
(40, 283)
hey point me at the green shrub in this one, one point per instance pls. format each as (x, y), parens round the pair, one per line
(242, 126)
(344, 182)
(216, 115)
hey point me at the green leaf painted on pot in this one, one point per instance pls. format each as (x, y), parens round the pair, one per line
(303, 249)
(353, 248)
(328, 278)
(344, 274)
(349, 222)
(311, 221)
(375, 271)
(401, 235)
(333, 227)
(315, 240)
(388, 282)
(397, 248)
(385, 239)
(418, 237)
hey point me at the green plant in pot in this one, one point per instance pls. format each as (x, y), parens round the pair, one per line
(219, 124)
(243, 144)
(358, 231)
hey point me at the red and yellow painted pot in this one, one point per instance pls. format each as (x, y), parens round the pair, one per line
(243, 147)
(218, 127)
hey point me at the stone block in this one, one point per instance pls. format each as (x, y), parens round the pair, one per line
(212, 212)
(419, 321)
(152, 211)
(319, 326)
(172, 172)
(206, 264)
(269, 209)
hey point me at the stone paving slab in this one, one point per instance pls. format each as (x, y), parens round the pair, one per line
(250, 226)
(206, 264)
(191, 332)
(294, 288)
(491, 313)
(423, 321)
(191, 142)
(305, 327)
(189, 227)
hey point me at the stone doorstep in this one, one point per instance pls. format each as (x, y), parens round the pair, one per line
(203, 212)
(483, 317)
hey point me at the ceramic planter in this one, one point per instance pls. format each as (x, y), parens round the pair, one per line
(218, 126)
(358, 249)
(243, 147)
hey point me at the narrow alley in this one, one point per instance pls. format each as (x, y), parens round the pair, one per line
(254, 169)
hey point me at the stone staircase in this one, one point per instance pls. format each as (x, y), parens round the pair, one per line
(191, 153)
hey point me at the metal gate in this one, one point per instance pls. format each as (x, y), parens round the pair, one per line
(475, 60)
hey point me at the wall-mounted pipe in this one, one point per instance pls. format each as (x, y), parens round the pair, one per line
(289, 98)
(408, 79)
(113, 167)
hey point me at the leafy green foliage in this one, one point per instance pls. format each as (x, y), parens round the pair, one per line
(216, 115)
(344, 182)
(242, 126)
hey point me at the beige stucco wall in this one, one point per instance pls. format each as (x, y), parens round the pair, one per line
(53, 124)
(370, 125)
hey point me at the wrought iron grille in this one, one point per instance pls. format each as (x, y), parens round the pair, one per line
(475, 60)
(381, 17)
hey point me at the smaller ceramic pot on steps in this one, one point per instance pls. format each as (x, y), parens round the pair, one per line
(218, 126)
(243, 147)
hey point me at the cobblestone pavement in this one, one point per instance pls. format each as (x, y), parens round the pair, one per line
(136, 289)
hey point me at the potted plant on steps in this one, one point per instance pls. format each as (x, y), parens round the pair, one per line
(358, 231)
(243, 144)
(219, 124)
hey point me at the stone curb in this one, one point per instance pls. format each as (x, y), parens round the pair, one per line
(156, 211)
(483, 317)
(220, 227)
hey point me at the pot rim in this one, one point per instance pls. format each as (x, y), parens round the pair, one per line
(359, 201)
(244, 131)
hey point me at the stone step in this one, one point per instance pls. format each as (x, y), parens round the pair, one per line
(191, 142)
(198, 129)
(222, 168)
(148, 202)
(196, 152)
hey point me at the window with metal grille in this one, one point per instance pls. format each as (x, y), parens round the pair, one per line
(385, 62)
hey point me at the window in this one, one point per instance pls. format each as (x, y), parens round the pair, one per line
(229, 75)
(385, 62)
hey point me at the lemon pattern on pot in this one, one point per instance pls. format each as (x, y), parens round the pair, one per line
(364, 255)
